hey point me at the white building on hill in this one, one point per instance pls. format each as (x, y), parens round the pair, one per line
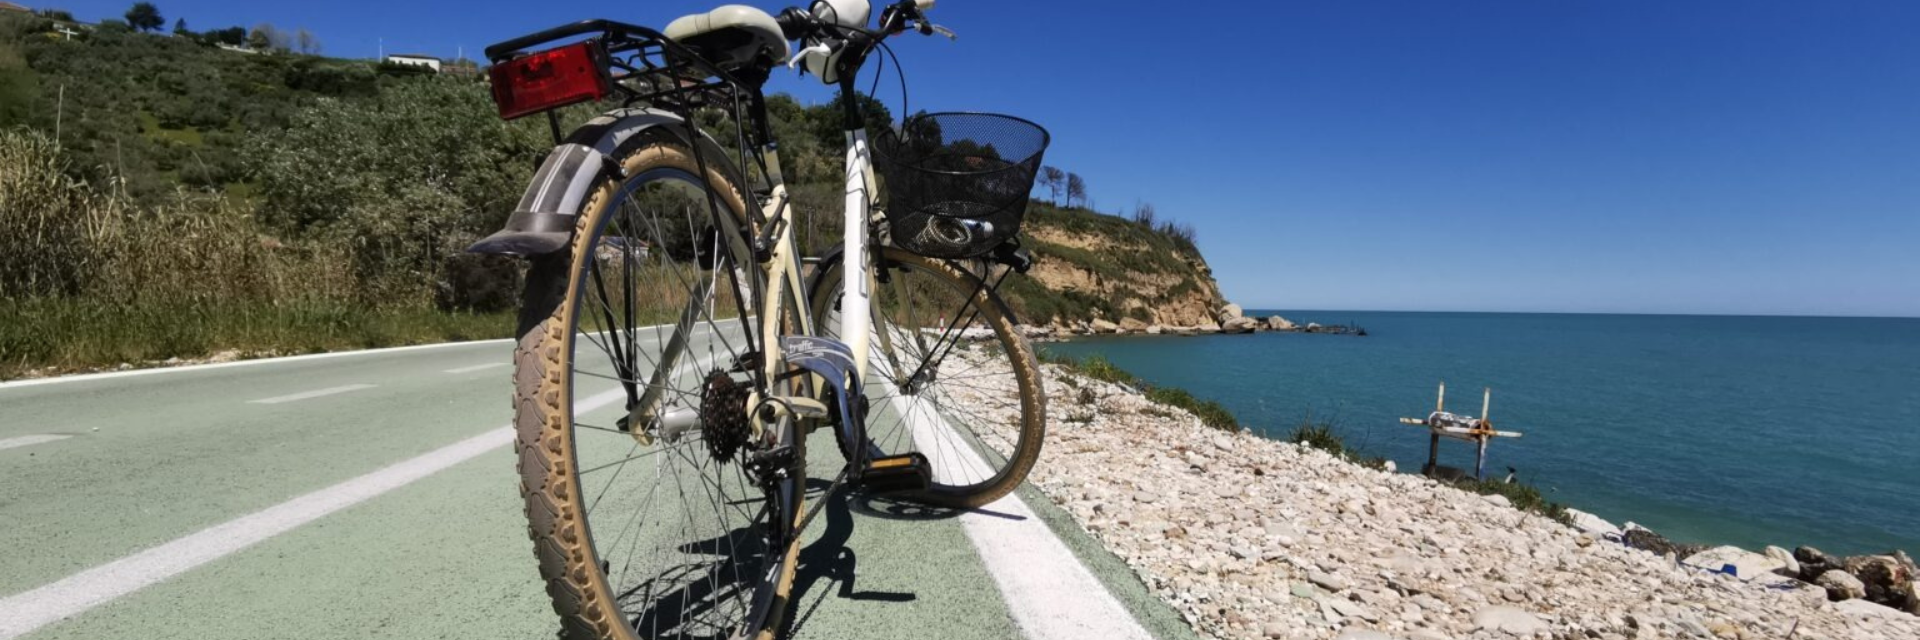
(417, 60)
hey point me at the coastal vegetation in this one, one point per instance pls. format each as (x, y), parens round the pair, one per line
(1210, 413)
(168, 196)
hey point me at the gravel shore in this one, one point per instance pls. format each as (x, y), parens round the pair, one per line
(1252, 538)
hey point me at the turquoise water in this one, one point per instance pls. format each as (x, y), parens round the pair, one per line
(1740, 430)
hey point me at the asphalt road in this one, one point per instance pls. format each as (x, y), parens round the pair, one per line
(372, 494)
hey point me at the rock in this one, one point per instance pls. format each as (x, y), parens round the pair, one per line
(1277, 323)
(1813, 562)
(1277, 629)
(1328, 581)
(1362, 634)
(1841, 585)
(1132, 325)
(1509, 620)
(1239, 325)
(1427, 634)
(1390, 467)
(1103, 326)
(1886, 577)
(1229, 312)
(1640, 537)
(1787, 563)
(1302, 590)
(1864, 609)
(1589, 523)
(1145, 496)
(1207, 328)
(1747, 564)
(1497, 500)
(1313, 326)
(1155, 330)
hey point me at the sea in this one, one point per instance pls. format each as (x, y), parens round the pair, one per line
(1744, 430)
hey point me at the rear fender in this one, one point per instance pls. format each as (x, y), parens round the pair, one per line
(544, 220)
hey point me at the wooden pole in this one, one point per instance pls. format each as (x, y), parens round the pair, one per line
(1480, 460)
(1433, 453)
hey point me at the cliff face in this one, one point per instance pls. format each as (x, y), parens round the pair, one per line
(1092, 266)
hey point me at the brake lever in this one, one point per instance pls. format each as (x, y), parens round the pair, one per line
(931, 28)
(818, 49)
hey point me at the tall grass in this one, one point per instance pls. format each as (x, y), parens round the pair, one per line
(89, 279)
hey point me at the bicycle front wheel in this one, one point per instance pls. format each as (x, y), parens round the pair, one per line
(949, 376)
(630, 413)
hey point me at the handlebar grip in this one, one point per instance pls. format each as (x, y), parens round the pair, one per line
(923, 5)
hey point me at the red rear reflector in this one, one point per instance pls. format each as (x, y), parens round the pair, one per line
(549, 79)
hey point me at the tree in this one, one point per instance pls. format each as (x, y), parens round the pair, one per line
(145, 17)
(1054, 180)
(230, 36)
(308, 44)
(1076, 189)
(261, 38)
(1143, 214)
(180, 28)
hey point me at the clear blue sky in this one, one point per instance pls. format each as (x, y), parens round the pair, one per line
(1665, 157)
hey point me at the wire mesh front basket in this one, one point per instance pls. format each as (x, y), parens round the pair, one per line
(957, 183)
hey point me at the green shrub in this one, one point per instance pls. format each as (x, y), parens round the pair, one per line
(1321, 435)
(1523, 496)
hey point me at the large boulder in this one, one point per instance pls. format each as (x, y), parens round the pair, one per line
(1790, 566)
(1277, 323)
(1592, 524)
(1747, 565)
(1207, 328)
(1313, 327)
(1156, 330)
(1229, 312)
(1813, 562)
(1886, 578)
(1239, 325)
(1103, 326)
(1130, 325)
(1841, 585)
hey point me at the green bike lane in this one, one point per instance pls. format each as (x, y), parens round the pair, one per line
(445, 556)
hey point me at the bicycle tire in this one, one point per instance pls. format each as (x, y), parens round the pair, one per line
(545, 445)
(1022, 366)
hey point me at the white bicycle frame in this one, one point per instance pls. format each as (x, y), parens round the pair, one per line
(784, 283)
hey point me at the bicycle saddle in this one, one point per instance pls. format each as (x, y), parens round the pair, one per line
(731, 36)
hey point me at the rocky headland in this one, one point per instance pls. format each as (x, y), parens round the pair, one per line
(1249, 537)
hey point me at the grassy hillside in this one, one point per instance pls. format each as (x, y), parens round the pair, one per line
(163, 197)
(1092, 265)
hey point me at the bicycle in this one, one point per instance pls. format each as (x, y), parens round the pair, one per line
(700, 376)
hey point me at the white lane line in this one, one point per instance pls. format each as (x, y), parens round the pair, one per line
(22, 613)
(477, 367)
(1051, 594)
(244, 363)
(304, 395)
(706, 328)
(23, 441)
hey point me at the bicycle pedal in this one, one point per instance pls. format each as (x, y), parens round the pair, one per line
(905, 473)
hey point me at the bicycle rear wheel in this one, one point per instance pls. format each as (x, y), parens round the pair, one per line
(630, 398)
(949, 376)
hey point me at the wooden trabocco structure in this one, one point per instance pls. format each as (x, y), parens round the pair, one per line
(1479, 430)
